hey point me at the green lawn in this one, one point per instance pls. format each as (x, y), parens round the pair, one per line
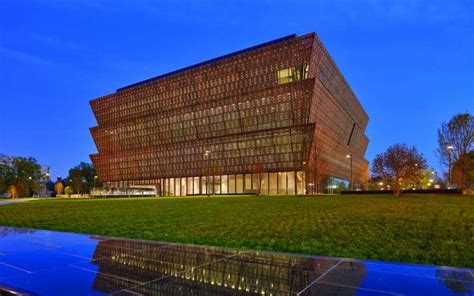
(416, 228)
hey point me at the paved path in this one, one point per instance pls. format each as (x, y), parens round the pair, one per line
(9, 201)
(57, 263)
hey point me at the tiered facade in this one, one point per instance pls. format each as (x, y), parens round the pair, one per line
(245, 122)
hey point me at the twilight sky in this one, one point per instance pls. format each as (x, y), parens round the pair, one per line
(410, 62)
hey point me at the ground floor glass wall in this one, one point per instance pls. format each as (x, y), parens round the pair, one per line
(282, 183)
(290, 183)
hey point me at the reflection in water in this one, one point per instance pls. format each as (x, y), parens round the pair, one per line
(4, 231)
(193, 270)
(55, 263)
(456, 281)
(9, 291)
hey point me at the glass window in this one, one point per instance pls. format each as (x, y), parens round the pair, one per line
(273, 183)
(203, 184)
(284, 76)
(189, 190)
(232, 184)
(166, 187)
(217, 184)
(264, 180)
(282, 183)
(171, 186)
(196, 185)
(177, 183)
(248, 181)
(293, 74)
(255, 181)
(239, 183)
(300, 183)
(291, 182)
(183, 187)
(224, 184)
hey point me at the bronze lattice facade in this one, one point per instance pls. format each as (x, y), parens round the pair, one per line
(229, 125)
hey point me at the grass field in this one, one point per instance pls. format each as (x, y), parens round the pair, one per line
(421, 229)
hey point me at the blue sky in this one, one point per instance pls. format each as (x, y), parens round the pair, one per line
(411, 63)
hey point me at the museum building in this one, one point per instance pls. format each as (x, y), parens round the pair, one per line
(276, 118)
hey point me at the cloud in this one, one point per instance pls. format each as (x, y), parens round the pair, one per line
(23, 56)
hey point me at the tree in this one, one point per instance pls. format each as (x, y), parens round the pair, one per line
(427, 179)
(68, 191)
(26, 173)
(399, 165)
(258, 169)
(6, 176)
(468, 177)
(21, 172)
(316, 168)
(82, 178)
(59, 187)
(455, 141)
(456, 281)
(13, 191)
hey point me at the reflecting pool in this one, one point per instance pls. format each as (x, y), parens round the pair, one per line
(37, 262)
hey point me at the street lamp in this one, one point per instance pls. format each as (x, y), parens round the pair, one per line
(350, 156)
(208, 158)
(306, 177)
(28, 187)
(310, 185)
(95, 184)
(450, 148)
(45, 189)
(83, 181)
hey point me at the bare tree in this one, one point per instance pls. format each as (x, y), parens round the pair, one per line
(399, 165)
(455, 141)
(316, 168)
(214, 177)
(258, 169)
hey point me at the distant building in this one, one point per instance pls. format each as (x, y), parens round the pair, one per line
(253, 117)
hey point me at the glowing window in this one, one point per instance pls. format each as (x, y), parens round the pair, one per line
(292, 74)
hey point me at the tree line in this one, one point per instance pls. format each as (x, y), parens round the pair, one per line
(401, 166)
(22, 177)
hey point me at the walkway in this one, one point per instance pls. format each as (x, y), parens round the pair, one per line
(57, 263)
(9, 201)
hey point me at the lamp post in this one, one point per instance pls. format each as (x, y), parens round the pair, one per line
(352, 184)
(28, 187)
(208, 158)
(418, 183)
(83, 182)
(46, 179)
(450, 148)
(95, 184)
(305, 177)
